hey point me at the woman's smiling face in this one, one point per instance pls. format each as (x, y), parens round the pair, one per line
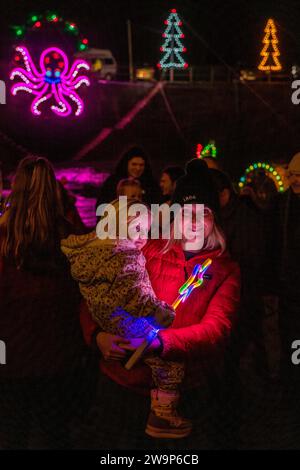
(194, 221)
(136, 167)
(191, 226)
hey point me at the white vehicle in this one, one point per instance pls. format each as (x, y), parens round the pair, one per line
(102, 61)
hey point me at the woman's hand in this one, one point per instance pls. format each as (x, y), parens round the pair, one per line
(111, 346)
(134, 343)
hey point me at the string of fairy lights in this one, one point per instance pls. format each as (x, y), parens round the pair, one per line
(270, 49)
(269, 171)
(36, 22)
(210, 150)
(172, 49)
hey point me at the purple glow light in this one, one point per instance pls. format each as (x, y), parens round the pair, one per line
(81, 175)
(54, 81)
(76, 179)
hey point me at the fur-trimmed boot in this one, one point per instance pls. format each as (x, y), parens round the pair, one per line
(164, 420)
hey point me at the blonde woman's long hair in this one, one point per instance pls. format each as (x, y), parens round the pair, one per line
(32, 223)
(215, 240)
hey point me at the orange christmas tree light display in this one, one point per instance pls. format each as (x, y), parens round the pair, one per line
(270, 51)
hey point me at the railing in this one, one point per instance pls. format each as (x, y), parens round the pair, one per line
(194, 74)
(210, 74)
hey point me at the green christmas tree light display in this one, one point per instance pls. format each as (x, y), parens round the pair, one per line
(173, 47)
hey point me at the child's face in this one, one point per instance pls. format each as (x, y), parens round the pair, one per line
(132, 192)
(140, 227)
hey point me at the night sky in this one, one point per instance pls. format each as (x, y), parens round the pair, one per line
(216, 31)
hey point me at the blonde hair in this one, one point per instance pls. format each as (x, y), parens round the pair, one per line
(119, 209)
(215, 240)
(125, 183)
(31, 222)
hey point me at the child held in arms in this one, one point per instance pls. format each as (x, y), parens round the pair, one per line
(115, 284)
(131, 188)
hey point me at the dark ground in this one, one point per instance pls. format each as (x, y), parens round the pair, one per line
(268, 417)
(264, 413)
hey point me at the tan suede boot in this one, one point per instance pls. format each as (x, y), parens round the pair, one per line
(163, 420)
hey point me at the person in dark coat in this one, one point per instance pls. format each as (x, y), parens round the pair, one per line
(243, 222)
(133, 164)
(168, 180)
(39, 315)
(70, 210)
(262, 190)
(284, 271)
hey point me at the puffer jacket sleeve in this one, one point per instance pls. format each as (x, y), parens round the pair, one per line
(125, 304)
(210, 335)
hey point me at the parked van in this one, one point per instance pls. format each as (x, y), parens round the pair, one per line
(103, 63)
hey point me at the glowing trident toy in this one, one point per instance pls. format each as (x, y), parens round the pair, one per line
(191, 284)
(195, 280)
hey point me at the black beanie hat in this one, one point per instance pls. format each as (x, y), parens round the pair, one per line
(197, 186)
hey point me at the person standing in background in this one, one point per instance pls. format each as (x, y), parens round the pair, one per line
(168, 182)
(242, 218)
(39, 315)
(261, 190)
(133, 164)
(284, 274)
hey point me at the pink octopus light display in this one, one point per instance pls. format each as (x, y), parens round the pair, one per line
(54, 81)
